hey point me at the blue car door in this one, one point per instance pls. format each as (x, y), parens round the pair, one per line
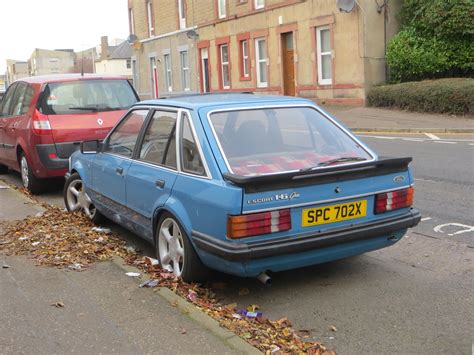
(109, 174)
(152, 174)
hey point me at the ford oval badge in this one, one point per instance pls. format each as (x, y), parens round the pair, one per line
(399, 178)
(100, 122)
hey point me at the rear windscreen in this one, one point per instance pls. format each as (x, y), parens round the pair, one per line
(275, 140)
(86, 96)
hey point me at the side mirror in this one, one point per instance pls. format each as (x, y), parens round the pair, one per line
(90, 147)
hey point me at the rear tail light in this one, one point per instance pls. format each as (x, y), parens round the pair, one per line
(258, 223)
(41, 124)
(394, 200)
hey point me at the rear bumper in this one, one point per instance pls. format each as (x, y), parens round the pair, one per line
(311, 241)
(62, 151)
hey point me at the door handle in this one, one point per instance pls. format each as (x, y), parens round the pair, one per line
(119, 170)
(160, 183)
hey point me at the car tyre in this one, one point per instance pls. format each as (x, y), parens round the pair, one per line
(28, 179)
(3, 169)
(175, 252)
(76, 199)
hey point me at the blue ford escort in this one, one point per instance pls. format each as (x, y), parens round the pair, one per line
(243, 184)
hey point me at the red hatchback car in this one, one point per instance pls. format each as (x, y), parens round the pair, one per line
(43, 119)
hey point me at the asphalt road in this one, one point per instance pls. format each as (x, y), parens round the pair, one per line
(414, 297)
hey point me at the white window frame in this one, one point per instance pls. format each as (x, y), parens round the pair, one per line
(185, 77)
(168, 72)
(132, 21)
(221, 8)
(259, 4)
(134, 73)
(181, 14)
(224, 65)
(153, 77)
(320, 54)
(149, 14)
(259, 60)
(245, 58)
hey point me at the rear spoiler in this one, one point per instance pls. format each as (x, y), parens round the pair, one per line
(257, 183)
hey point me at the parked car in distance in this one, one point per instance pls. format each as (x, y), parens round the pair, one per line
(243, 184)
(43, 119)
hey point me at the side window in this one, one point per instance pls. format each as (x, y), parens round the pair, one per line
(190, 157)
(17, 101)
(124, 138)
(7, 100)
(27, 100)
(159, 143)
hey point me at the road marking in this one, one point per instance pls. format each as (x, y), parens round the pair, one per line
(413, 139)
(425, 219)
(382, 137)
(432, 136)
(445, 142)
(424, 180)
(439, 228)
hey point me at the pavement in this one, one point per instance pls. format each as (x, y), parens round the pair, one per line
(104, 311)
(370, 119)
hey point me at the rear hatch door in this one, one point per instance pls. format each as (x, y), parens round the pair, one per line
(322, 200)
(85, 109)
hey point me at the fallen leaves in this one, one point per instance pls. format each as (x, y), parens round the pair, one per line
(269, 336)
(69, 240)
(58, 238)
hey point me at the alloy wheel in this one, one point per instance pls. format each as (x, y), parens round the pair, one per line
(77, 199)
(171, 247)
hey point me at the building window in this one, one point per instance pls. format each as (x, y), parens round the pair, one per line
(150, 18)
(131, 21)
(245, 59)
(129, 64)
(221, 8)
(182, 14)
(185, 82)
(168, 77)
(261, 60)
(324, 55)
(225, 68)
(259, 4)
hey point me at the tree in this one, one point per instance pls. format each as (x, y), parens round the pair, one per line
(436, 40)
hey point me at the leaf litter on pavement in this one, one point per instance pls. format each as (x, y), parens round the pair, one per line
(69, 240)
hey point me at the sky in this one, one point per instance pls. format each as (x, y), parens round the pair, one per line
(53, 24)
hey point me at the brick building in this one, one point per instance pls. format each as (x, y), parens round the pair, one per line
(46, 61)
(307, 48)
(16, 70)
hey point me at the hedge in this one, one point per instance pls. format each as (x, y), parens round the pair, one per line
(452, 96)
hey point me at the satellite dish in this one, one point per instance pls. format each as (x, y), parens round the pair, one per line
(345, 5)
(192, 34)
(132, 39)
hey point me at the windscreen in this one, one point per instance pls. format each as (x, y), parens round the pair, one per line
(274, 140)
(87, 96)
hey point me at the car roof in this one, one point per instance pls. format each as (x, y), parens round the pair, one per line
(41, 79)
(196, 101)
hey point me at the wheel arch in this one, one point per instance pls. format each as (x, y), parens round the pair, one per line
(177, 210)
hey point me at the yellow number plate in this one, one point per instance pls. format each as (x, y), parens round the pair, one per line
(333, 213)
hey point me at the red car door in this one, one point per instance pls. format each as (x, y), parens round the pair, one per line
(17, 122)
(4, 120)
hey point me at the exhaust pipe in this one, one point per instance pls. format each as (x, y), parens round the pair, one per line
(264, 278)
